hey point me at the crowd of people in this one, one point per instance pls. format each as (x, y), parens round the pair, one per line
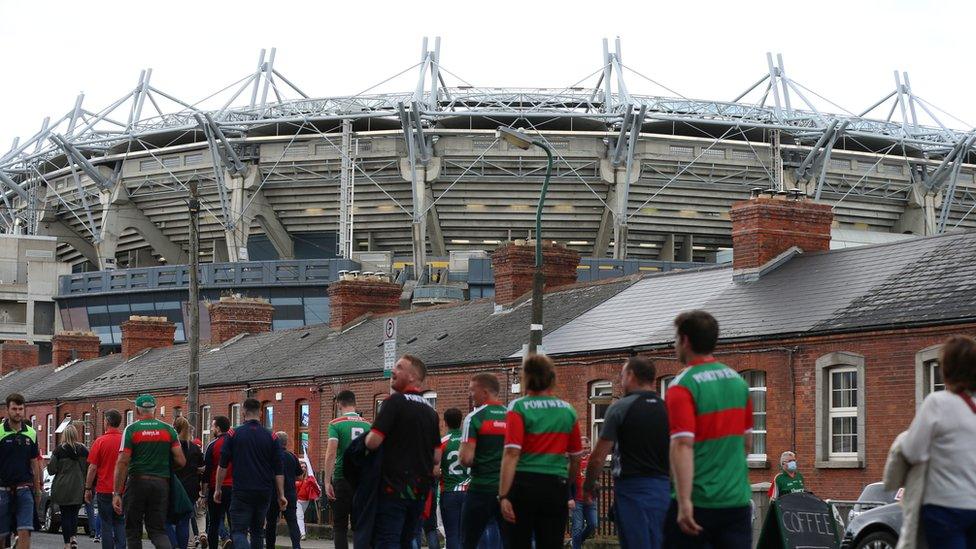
(500, 477)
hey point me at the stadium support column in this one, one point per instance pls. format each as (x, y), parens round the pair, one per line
(614, 221)
(918, 218)
(118, 214)
(247, 204)
(49, 224)
(425, 223)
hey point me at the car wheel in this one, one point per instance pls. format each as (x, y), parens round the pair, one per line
(50, 525)
(878, 540)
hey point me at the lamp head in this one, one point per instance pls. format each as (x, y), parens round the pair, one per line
(514, 137)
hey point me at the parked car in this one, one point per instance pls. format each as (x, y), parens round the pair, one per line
(51, 513)
(875, 528)
(873, 495)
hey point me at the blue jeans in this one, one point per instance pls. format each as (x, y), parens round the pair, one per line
(113, 525)
(396, 522)
(17, 510)
(248, 509)
(584, 522)
(217, 513)
(641, 504)
(94, 525)
(451, 503)
(948, 528)
(481, 519)
(179, 532)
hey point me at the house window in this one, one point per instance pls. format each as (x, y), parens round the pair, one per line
(601, 395)
(757, 392)
(304, 416)
(86, 418)
(267, 414)
(431, 398)
(377, 404)
(928, 373)
(235, 415)
(840, 410)
(205, 432)
(664, 384)
(33, 421)
(50, 433)
(129, 417)
(843, 412)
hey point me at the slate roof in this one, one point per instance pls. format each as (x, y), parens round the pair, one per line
(919, 281)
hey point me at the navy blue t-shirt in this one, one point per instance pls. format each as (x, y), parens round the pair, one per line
(291, 469)
(255, 454)
(18, 450)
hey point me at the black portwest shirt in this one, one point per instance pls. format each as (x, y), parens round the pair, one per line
(638, 426)
(411, 432)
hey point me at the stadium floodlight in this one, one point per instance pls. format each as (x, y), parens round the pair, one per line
(515, 137)
(523, 141)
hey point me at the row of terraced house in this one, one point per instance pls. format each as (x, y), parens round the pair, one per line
(839, 347)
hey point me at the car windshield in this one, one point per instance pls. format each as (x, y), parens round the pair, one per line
(874, 493)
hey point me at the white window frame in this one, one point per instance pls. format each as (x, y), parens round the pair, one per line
(756, 432)
(932, 365)
(599, 388)
(267, 414)
(130, 417)
(86, 419)
(50, 432)
(840, 412)
(827, 365)
(924, 360)
(235, 414)
(431, 398)
(205, 419)
(663, 385)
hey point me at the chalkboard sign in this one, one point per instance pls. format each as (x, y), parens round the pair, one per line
(799, 520)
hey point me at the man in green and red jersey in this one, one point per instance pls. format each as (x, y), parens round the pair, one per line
(710, 417)
(150, 449)
(789, 480)
(347, 426)
(482, 444)
(455, 478)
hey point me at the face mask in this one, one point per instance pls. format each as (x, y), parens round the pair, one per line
(791, 466)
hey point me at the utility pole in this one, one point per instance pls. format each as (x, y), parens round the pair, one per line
(193, 383)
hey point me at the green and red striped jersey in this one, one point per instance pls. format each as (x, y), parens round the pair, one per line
(545, 429)
(148, 443)
(710, 402)
(454, 476)
(485, 428)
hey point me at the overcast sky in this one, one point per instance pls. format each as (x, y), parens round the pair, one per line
(845, 51)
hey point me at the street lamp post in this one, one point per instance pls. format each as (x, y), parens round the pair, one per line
(523, 141)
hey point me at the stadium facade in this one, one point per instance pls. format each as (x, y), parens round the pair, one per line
(420, 174)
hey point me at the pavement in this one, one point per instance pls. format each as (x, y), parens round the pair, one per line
(42, 540)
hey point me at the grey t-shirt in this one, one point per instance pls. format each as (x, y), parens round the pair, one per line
(944, 434)
(638, 426)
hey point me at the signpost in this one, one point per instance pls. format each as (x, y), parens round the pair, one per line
(799, 520)
(389, 346)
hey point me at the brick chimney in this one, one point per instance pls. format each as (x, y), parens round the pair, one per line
(351, 298)
(146, 332)
(763, 228)
(17, 355)
(235, 315)
(68, 346)
(514, 266)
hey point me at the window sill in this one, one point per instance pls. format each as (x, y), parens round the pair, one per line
(758, 463)
(840, 464)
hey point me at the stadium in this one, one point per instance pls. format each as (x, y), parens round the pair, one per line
(421, 174)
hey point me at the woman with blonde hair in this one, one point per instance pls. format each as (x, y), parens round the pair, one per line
(178, 528)
(69, 466)
(943, 435)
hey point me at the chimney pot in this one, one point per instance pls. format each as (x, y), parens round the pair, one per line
(17, 355)
(514, 267)
(351, 298)
(146, 332)
(72, 345)
(236, 315)
(763, 228)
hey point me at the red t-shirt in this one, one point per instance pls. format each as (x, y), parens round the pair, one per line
(103, 455)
